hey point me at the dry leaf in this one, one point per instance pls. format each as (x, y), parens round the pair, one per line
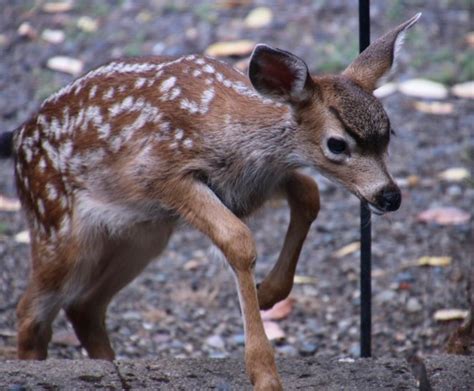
(259, 17)
(444, 216)
(27, 30)
(9, 204)
(192, 264)
(70, 65)
(87, 24)
(232, 48)
(279, 311)
(437, 108)
(434, 261)
(346, 250)
(304, 280)
(422, 88)
(53, 36)
(273, 331)
(469, 39)
(385, 90)
(447, 314)
(22, 237)
(454, 174)
(58, 6)
(66, 338)
(464, 90)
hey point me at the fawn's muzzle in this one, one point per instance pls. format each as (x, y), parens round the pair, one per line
(389, 199)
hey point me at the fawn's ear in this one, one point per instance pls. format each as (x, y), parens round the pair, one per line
(378, 58)
(280, 75)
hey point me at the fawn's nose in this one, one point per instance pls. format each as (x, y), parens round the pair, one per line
(389, 199)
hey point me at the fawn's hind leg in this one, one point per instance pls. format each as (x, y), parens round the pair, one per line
(40, 303)
(125, 259)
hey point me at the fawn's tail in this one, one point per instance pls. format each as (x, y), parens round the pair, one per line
(6, 144)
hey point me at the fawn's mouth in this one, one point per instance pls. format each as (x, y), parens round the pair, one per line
(376, 210)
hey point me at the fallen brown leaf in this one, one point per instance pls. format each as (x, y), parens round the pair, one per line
(231, 48)
(434, 261)
(9, 204)
(436, 108)
(448, 314)
(58, 6)
(444, 216)
(346, 250)
(279, 311)
(70, 65)
(454, 174)
(273, 331)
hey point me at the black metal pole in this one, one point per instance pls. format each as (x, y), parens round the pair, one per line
(365, 225)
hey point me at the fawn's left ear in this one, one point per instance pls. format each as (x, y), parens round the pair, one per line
(280, 75)
(378, 58)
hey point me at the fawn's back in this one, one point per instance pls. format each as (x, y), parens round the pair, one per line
(100, 150)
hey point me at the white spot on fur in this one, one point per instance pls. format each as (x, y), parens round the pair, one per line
(51, 191)
(189, 105)
(109, 94)
(93, 91)
(140, 82)
(197, 72)
(208, 68)
(167, 84)
(179, 134)
(200, 61)
(188, 143)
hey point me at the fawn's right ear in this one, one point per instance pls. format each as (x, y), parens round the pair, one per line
(375, 61)
(280, 75)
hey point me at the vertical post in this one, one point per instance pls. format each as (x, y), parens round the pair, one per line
(365, 224)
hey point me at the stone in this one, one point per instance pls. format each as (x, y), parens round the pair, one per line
(423, 88)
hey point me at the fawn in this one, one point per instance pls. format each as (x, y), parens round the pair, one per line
(113, 161)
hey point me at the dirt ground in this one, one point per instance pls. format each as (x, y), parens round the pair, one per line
(185, 303)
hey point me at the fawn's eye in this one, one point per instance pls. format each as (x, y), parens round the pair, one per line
(337, 146)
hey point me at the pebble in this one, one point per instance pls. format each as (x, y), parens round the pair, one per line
(413, 305)
(238, 339)
(308, 349)
(215, 341)
(423, 88)
(386, 296)
(464, 90)
(287, 350)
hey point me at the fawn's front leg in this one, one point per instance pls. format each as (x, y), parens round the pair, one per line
(303, 198)
(198, 205)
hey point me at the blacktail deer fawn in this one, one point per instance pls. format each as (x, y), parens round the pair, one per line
(113, 161)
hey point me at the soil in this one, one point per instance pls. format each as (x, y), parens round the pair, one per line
(185, 304)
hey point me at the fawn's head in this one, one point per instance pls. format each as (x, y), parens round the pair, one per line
(343, 129)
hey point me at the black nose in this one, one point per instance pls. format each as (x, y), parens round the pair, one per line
(389, 199)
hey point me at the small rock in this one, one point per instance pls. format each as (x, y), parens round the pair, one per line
(215, 341)
(22, 237)
(53, 36)
(385, 90)
(57, 6)
(423, 88)
(87, 24)
(454, 174)
(386, 296)
(454, 191)
(239, 339)
(232, 48)
(413, 305)
(287, 350)
(308, 349)
(27, 30)
(436, 108)
(464, 90)
(259, 17)
(65, 64)
(450, 314)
